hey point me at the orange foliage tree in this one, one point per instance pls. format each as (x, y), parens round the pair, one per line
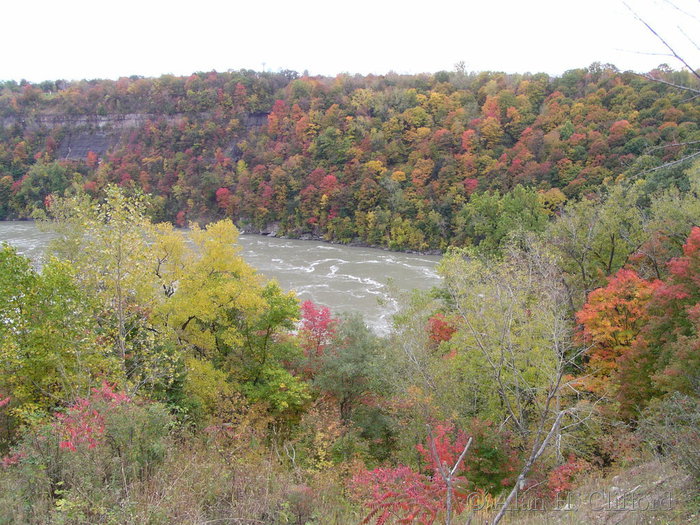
(665, 356)
(610, 321)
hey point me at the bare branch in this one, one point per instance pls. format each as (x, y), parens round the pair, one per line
(537, 452)
(688, 38)
(645, 53)
(447, 474)
(672, 163)
(672, 144)
(666, 44)
(674, 6)
(672, 84)
(461, 457)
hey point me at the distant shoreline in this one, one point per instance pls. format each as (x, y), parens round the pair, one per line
(352, 244)
(307, 237)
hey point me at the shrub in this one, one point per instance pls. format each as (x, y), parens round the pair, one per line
(561, 479)
(416, 497)
(82, 462)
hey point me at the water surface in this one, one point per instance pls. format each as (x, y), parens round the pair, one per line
(344, 278)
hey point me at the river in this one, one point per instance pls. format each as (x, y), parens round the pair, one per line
(344, 278)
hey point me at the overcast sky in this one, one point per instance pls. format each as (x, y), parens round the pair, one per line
(75, 39)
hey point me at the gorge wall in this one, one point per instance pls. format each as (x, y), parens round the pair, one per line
(82, 134)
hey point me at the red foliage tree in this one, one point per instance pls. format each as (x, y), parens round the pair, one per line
(223, 198)
(666, 355)
(440, 329)
(92, 160)
(610, 321)
(470, 185)
(561, 478)
(181, 219)
(400, 492)
(318, 327)
(83, 424)
(413, 497)
(421, 497)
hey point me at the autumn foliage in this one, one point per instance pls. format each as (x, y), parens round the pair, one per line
(83, 424)
(567, 299)
(411, 496)
(388, 160)
(562, 478)
(419, 496)
(317, 328)
(440, 328)
(610, 321)
(666, 355)
(643, 335)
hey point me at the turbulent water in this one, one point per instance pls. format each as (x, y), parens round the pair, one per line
(344, 278)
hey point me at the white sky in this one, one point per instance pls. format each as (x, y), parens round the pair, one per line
(74, 39)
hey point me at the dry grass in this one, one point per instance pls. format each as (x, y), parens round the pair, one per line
(654, 492)
(202, 487)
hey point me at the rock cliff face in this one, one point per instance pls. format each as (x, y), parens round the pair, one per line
(101, 133)
(101, 122)
(77, 145)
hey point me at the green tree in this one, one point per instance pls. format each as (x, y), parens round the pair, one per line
(50, 352)
(511, 326)
(41, 181)
(107, 242)
(217, 309)
(671, 215)
(596, 237)
(351, 366)
(489, 218)
(5, 195)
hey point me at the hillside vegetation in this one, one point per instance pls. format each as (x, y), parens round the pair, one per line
(399, 161)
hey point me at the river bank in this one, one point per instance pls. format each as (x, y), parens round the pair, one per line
(273, 233)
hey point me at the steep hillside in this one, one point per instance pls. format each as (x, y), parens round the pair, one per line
(388, 160)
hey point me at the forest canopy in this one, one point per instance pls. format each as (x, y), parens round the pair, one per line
(405, 161)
